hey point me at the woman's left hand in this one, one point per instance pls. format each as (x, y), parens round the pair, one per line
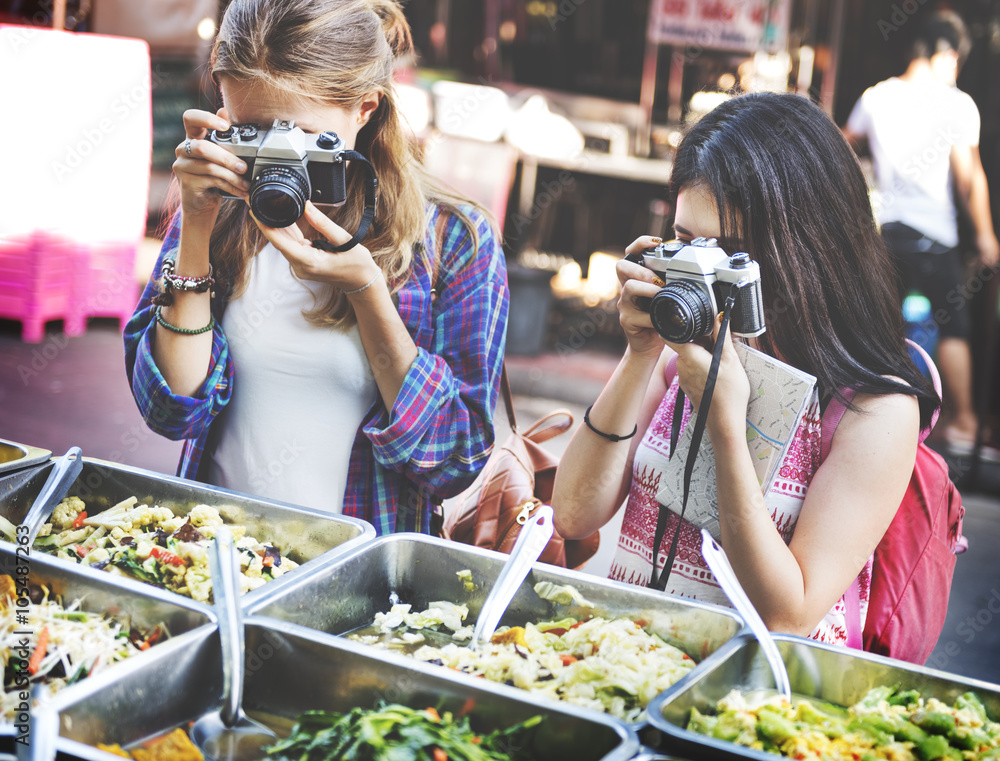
(732, 387)
(348, 270)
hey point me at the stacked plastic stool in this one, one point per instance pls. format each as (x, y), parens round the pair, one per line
(39, 281)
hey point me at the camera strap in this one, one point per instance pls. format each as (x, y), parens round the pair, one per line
(659, 581)
(371, 201)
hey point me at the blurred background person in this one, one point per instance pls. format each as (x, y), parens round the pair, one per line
(923, 136)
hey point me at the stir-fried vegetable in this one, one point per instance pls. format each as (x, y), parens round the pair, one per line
(611, 665)
(885, 724)
(153, 545)
(58, 645)
(397, 733)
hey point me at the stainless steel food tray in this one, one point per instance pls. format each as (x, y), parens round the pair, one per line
(344, 593)
(290, 670)
(302, 533)
(103, 593)
(15, 456)
(826, 672)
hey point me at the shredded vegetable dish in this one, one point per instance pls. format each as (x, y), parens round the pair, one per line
(611, 665)
(56, 645)
(398, 733)
(885, 724)
(153, 545)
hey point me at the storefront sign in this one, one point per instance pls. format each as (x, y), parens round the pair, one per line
(740, 25)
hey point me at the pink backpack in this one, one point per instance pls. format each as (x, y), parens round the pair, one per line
(915, 561)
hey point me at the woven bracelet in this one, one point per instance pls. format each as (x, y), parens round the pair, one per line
(609, 436)
(184, 331)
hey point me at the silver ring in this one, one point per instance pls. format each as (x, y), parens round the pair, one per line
(187, 147)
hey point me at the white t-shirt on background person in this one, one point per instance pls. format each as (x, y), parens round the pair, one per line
(911, 127)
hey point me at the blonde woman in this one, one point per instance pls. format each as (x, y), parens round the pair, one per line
(360, 381)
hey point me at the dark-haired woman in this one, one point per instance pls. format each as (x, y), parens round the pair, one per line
(769, 174)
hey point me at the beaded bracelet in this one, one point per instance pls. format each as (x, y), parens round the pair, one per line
(184, 283)
(184, 331)
(609, 436)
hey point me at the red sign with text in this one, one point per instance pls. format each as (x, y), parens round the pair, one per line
(740, 25)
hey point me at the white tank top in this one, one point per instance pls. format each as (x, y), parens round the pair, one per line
(299, 395)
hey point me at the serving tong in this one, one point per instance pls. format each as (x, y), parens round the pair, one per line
(535, 534)
(63, 474)
(228, 734)
(719, 564)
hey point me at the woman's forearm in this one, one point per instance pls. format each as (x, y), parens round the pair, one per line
(184, 359)
(592, 473)
(388, 344)
(765, 566)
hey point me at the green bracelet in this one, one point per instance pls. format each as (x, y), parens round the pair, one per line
(184, 331)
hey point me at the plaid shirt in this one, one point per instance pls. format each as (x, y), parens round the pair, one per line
(438, 434)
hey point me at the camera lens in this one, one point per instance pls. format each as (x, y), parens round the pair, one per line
(278, 196)
(681, 312)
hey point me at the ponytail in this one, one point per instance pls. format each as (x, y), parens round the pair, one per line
(395, 26)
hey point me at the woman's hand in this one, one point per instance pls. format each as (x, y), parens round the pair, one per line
(348, 270)
(727, 413)
(639, 285)
(206, 170)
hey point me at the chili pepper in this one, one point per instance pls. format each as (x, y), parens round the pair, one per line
(80, 518)
(440, 755)
(166, 556)
(568, 660)
(36, 657)
(432, 712)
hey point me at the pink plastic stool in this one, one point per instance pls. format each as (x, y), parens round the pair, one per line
(38, 276)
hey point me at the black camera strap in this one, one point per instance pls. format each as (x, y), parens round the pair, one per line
(659, 581)
(371, 201)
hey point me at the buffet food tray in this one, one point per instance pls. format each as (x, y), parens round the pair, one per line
(15, 456)
(815, 670)
(290, 670)
(144, 607)
(344, 593)
(303, 534)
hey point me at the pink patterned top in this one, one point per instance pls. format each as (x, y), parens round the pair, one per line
(690, 575)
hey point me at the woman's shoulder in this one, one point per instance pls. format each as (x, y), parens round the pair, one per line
(465, 220)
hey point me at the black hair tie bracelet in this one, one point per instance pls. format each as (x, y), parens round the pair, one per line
(609, 436)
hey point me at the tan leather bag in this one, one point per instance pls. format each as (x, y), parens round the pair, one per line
(517, 479)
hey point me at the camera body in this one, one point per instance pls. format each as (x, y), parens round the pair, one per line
(287, 167)
(698, 276)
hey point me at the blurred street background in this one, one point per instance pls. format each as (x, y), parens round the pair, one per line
(560, 117)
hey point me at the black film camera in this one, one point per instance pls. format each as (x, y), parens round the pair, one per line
(287, 167)
(698, 277)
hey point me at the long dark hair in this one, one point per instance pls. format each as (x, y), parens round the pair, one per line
(790, 192)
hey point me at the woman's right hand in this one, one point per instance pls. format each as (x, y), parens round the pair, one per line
(206, 170)
(639, 285)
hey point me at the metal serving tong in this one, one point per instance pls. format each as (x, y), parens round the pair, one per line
(228, 734)
(535, 534)
(63, 474)
(716, 558)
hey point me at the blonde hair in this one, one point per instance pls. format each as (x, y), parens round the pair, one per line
(334, 52)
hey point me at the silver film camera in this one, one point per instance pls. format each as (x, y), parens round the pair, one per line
(698, 277)
(287, 167)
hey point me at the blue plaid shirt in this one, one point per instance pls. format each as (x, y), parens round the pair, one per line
(439, 432)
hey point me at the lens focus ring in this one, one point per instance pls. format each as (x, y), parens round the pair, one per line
(278, 196)
(681, 312)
